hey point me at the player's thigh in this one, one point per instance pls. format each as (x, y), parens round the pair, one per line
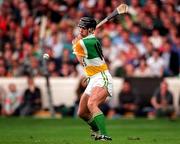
(83, 104)
(98, 95)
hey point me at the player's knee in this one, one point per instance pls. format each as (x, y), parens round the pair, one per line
(91, 104)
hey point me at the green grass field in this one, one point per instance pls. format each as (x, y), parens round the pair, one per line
(75, 131)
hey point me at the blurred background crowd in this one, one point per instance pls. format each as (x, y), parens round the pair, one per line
(143, 43)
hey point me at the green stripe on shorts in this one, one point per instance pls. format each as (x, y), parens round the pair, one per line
(105, 79)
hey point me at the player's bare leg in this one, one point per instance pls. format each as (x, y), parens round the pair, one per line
(99, 95)
(83, 111)
(85, 114)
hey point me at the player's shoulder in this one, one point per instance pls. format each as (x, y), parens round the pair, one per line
(89, 37)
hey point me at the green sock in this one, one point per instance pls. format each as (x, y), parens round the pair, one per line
(100, 121)
(93, 124)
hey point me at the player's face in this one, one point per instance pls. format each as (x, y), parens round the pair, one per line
(83, 32)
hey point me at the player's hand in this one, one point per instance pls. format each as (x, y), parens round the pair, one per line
(76, 39)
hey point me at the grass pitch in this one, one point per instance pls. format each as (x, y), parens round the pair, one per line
(75, 131)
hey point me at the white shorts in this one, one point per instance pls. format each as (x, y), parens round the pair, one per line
(102, 79)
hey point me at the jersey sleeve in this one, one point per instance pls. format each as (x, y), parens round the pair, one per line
(79, 49)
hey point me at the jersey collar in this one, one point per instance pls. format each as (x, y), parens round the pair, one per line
(90, 36)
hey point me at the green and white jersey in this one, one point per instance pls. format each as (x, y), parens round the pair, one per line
(90, 49)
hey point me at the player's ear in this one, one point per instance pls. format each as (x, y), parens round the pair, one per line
(90, 30)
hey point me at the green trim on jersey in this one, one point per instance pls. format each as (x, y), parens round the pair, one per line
(89, 43)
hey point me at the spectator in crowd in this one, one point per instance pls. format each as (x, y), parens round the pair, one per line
(143, 70)
(129, 70)
(132, 54)
(117, 66)
(156, 39)
(67, 70)
(66, 57)
(156, 64)
(171, 59)
(12, 100)
(127, 100)
(31, 99)
(52, 69)
(15, 70)
(162, 101)
(126, 70)
(56, 45)
(145, 47)
(108, 50)
(136, 35)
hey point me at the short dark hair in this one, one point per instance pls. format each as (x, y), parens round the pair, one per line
(87, 22)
